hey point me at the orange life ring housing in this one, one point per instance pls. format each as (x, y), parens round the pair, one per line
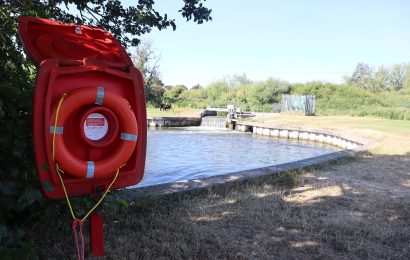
(77, 99)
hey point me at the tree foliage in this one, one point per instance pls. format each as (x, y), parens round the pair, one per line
(362, 75)
(125, 23)
(20, 199)
(384, 78)
(268, 92)
(384, 92)
(174, 93)
(237, 90)
(147, 59)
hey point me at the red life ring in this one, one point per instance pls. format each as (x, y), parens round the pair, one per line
(76, 100)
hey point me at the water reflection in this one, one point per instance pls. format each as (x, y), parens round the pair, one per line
(194, 152)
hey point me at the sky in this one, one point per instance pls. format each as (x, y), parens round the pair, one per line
(292, 40)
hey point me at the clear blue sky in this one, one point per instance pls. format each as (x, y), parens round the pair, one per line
(294, 40)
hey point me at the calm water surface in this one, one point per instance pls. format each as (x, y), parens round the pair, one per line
(194, 152)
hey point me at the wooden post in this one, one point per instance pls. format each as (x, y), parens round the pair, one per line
(96, 234)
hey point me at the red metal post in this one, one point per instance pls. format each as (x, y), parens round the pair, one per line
(96, 234)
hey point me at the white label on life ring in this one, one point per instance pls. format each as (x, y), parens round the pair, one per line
(95, 126)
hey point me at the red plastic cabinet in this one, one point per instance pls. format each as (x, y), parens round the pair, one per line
(73, 58)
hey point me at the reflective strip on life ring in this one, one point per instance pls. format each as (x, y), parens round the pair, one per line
(58, 130)
(100, 96)
(102, 168)
(128, 137)
(90, 169)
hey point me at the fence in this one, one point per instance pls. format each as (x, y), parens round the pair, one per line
(305, 104)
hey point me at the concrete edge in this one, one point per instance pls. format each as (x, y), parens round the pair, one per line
(173, 118)
(173, 121)
(300, 133)
(201, 183)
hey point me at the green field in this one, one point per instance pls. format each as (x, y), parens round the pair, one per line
(174, 111)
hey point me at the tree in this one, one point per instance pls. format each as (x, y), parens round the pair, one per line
(362, 76)
(111, 15)
(154, 94)
(406, 81)
(268, 92)
(240, 95)
(147, 60)
(381, 78)
(397, 76)
(197, 86)
(238, 80)
(385, 78)
(174, 93)
(168, 87)
(20, 198)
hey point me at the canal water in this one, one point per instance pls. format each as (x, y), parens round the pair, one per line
(194, 152)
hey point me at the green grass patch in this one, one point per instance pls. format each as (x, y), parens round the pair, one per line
(174, 111)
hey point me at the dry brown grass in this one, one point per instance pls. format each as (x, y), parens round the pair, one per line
(173, 112)
(349, 210)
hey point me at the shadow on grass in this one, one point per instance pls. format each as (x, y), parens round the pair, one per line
(355, 208)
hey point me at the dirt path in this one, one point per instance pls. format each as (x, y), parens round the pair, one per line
(370, 206)
(380, 176)
(350, 210)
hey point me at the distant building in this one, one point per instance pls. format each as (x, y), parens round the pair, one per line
(303, 103)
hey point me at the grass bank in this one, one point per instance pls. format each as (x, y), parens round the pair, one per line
(174, 111)
(391, 136)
